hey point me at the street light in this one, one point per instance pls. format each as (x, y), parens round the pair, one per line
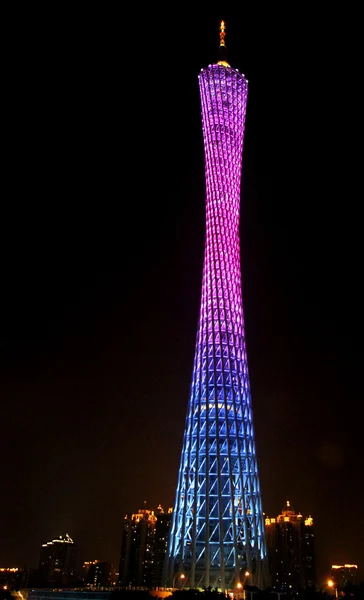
(181, 576)
(331, 584)
(246, 575)
(241, 586)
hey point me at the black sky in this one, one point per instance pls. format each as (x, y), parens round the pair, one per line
(102, 246)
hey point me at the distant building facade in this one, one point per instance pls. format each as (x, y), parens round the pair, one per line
(12, 578)
(291, 551)
(136, 549)
(160, 545)
(57, 563)
(97, 573)
(143, 548)
(344, 576)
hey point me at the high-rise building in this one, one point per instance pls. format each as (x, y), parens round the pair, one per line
(144, 547)
(57, 564)
(217, 532)
(291, 551)
(344, 575)
(160, 545)
(97, 573)
(136, 560)
(13, 578)
(87, 564)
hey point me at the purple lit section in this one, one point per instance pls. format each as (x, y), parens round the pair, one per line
(223, 97)
(218, 529)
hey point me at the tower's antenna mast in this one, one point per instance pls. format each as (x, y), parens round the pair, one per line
(222, 34)
(222, 47)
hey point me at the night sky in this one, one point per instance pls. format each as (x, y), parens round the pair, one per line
(102, 239)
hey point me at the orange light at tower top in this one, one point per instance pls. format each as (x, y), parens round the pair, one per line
(222, 49)
(222, 33)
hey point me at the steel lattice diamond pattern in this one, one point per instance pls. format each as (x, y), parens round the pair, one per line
(218, 528)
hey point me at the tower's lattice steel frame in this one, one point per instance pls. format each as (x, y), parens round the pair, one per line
(217, 531)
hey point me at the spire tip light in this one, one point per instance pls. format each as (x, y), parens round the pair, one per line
(222, 33)
(222, 47)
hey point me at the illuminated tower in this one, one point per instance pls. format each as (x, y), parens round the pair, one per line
(217, 535)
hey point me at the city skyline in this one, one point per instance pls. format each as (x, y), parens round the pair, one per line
(101, 285)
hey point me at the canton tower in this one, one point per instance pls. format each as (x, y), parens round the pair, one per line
(217, 534)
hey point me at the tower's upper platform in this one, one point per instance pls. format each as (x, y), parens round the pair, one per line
(222, 63)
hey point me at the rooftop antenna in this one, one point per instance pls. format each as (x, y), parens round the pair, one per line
(222, 48)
